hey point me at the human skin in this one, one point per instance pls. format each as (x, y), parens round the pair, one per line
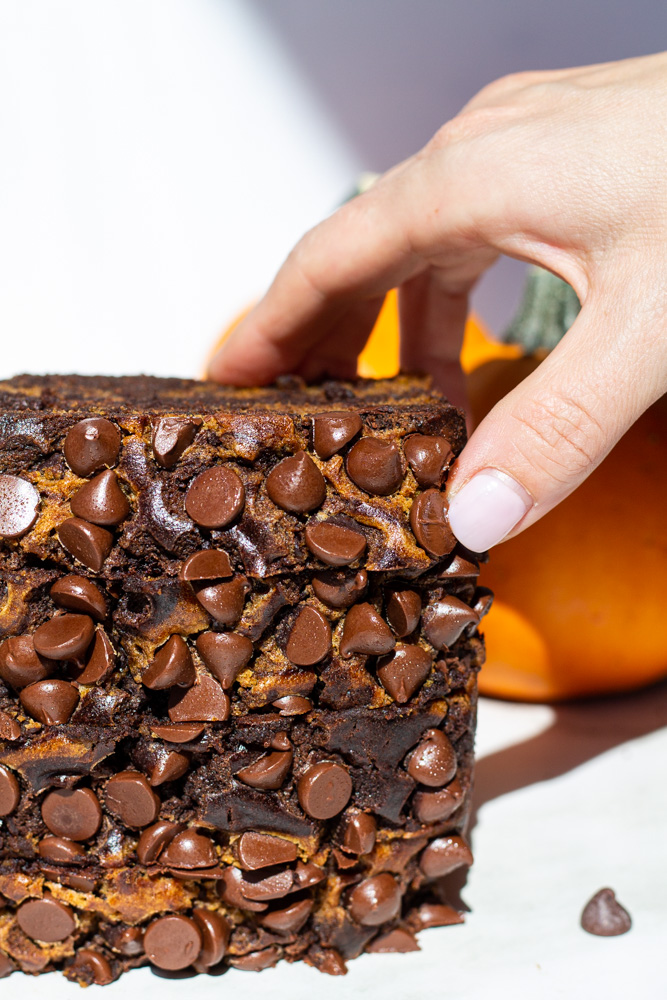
(565, 169)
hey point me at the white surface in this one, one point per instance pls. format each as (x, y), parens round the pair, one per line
(541, 851)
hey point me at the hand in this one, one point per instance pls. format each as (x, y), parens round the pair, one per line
(565, 169)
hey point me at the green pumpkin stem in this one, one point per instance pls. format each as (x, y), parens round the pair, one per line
(548, 309)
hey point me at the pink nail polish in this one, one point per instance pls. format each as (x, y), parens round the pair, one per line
(484, 510)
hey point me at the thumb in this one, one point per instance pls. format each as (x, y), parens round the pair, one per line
(547, 435)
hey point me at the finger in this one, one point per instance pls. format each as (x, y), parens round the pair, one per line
(545, 437)
(336, 356)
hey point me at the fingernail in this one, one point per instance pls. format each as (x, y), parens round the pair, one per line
(484, 510)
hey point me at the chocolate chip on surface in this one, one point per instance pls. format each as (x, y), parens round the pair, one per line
(288, 920)
(92, 965)
(309, 639)
(223, 601)
(179, 732)
(375, 900)
(262, 850)
(403, 671)
(375, 466)
(66, 637)
(91, 445)
(460, 567)
(433, 762)
(19, 505)
(50, 702)
(339, 589)
(364, 631)
(230, 890)
(20, 663)
(483, 599)
(76, 593)
(434, 807)
(208, 564)
(88, 543)
(171, 437)
(359, 833)
(215, 932)
(604, 916)
(404, 609)
(268, 772)
(264, 886)
(46, 920)
(205, 701)
(333, 430)
(172, 942)
(170, 766)
(9, 728)
(296, 484)
(444, 855)
(72, 813)
(334, 544)
(61, 850)
(225, 654)
(324, 789)
(430, 523)
(429, 456)
(189, 849)
(256, 961)
(443, 621)
(130, 797)
(10, 793)
(215, 497)
(128, 941)
(438, 915)
(6, 966)
(154, 838)
(293, 704)
(396, 941)
(171, 666)
(101, 501)
(101, 660)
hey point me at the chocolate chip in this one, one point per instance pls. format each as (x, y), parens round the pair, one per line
(444, 621)
(225, 654)
(172, 942)
(6, 966)
(131, 799)
(263, 887)
(430, 524)
(76, 593)
(72, 813)
(404, 609)
(19, 503)
(215, 932)
(92, 965)
(230, 889)
(281, 741)
(268, 772)
(46, 920)
(326, 960)
(434, 807)
(438, 915)
(171, 437)
(364, 631)
(189, 849)
(9, 728)
(460, 567)
(397, 941)
(87, 543)
(154, 838)
(307, 874)
(61, 850)
(261, 850)
(179, 732)
(334, 544)
(333, 430)
(20, 664)
(433, 762)
(204, 702)
(309, 639)
(404, 671)
(296, 484)
(169, 766)
(171, 666)
(375, 900)
(338, 589)
(50, 702)
(101, 661)
(482, 601)
(91, 445)
(66, 637)
(324, 790)
(444, 855)
(209, 564)
(288, 920)
(129, 941)
(359, 833)
(10, 793)
(223, 601)
(256, 961)
(293, 704)
(429, 456)
(215, 498)
(603, 915)
(375, 466)
(101, 501)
